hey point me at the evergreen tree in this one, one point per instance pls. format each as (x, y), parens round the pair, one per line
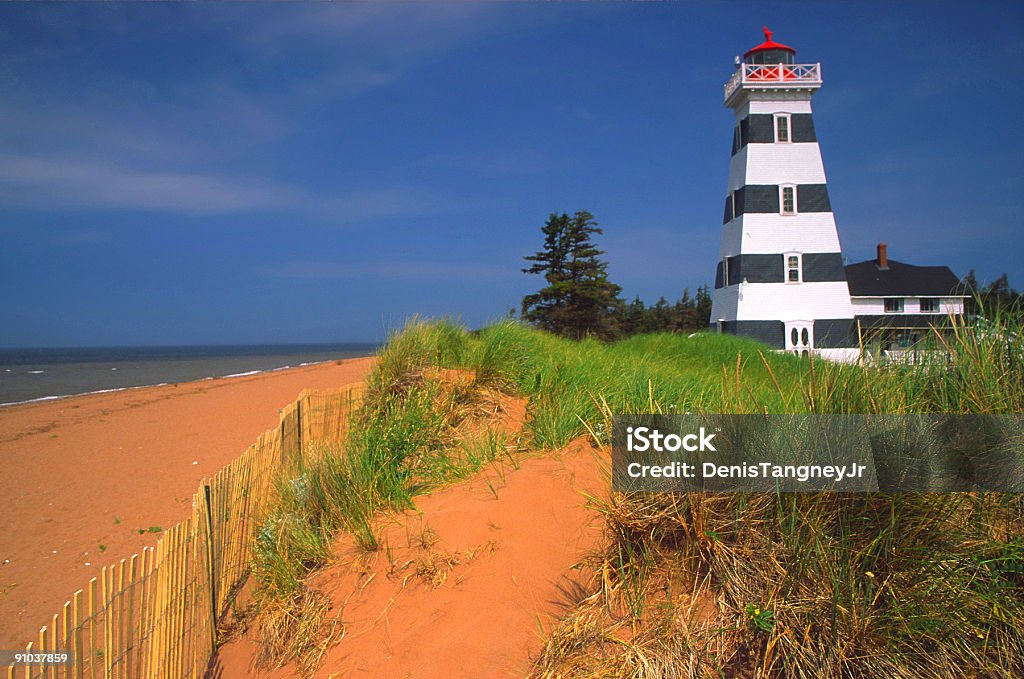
(633, 317)
(578, 299)
(684, 313)
(660, 316)
(998, 297)
(703, 308)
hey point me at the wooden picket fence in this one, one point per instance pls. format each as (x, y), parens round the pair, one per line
(156, 613)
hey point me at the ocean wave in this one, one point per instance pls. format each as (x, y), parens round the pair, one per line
(245, 374)
(84, 393)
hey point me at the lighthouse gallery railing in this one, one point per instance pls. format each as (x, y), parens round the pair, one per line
(795, 75)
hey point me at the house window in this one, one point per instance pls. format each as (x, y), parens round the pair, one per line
(793, 269)
(929, 305)
(787, 199)
(782, 127)
(894, 305)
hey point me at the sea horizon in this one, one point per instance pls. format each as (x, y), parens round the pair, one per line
(43, 373)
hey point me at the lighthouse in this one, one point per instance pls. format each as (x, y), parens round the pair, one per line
(780, 276)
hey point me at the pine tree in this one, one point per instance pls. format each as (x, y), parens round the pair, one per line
(703, 307)
(578, 299)
(660, 316)
(684, 315)
(633, 317)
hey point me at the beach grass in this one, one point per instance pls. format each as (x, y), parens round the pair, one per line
(701, 584)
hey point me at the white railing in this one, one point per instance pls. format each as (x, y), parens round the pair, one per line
(775, 75)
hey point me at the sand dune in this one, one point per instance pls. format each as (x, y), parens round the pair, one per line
(463, 582)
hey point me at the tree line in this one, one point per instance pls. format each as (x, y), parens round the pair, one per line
(994, 299)
(578, 300)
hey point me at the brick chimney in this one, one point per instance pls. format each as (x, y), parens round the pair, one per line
(882, 260)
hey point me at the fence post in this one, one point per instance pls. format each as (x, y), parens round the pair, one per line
(209, 564)
(280, 437)
(298, 430)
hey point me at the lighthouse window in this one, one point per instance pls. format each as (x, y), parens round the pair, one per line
(893, 305)
(793, 268)
(788, 201)
(782, 127)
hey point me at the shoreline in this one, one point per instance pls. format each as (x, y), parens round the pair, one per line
(90, 479)
(28, 376)
(248, 373)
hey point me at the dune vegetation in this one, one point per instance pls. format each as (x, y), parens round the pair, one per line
(688, 585)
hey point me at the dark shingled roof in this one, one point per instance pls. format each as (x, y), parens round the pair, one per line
(867, 280)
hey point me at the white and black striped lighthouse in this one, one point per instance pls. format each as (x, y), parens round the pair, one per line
(780, 276)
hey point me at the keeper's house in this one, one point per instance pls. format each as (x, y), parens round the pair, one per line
(780, 276)
(896, 304)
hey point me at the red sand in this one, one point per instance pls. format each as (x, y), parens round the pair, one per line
(93, 470)
(514, 554)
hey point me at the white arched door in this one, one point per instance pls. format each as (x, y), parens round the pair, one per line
(800, 337)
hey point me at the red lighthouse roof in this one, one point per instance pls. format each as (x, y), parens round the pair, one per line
(768, 44)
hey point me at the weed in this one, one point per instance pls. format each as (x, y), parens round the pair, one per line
(297, 628)
(760, 618)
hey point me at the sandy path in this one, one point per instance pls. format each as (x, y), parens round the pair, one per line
(93, 470)
(514, 553)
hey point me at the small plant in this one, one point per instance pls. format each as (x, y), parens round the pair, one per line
(117, 520)
(490, 487)
(428, 538)
(760, 618)
(103, 548)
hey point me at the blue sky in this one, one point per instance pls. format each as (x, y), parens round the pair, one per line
(182, 173)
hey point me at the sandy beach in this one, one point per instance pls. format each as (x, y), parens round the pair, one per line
(89, 480)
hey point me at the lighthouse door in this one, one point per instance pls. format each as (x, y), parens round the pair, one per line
(800, 337)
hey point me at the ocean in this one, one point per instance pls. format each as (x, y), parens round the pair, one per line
(35, 374)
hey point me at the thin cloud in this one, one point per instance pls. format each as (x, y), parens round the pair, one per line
(393, 31)
(494, 163)
(66, 183)
(375, 203)
(80, 237)
(36, 182)
(390, 269)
